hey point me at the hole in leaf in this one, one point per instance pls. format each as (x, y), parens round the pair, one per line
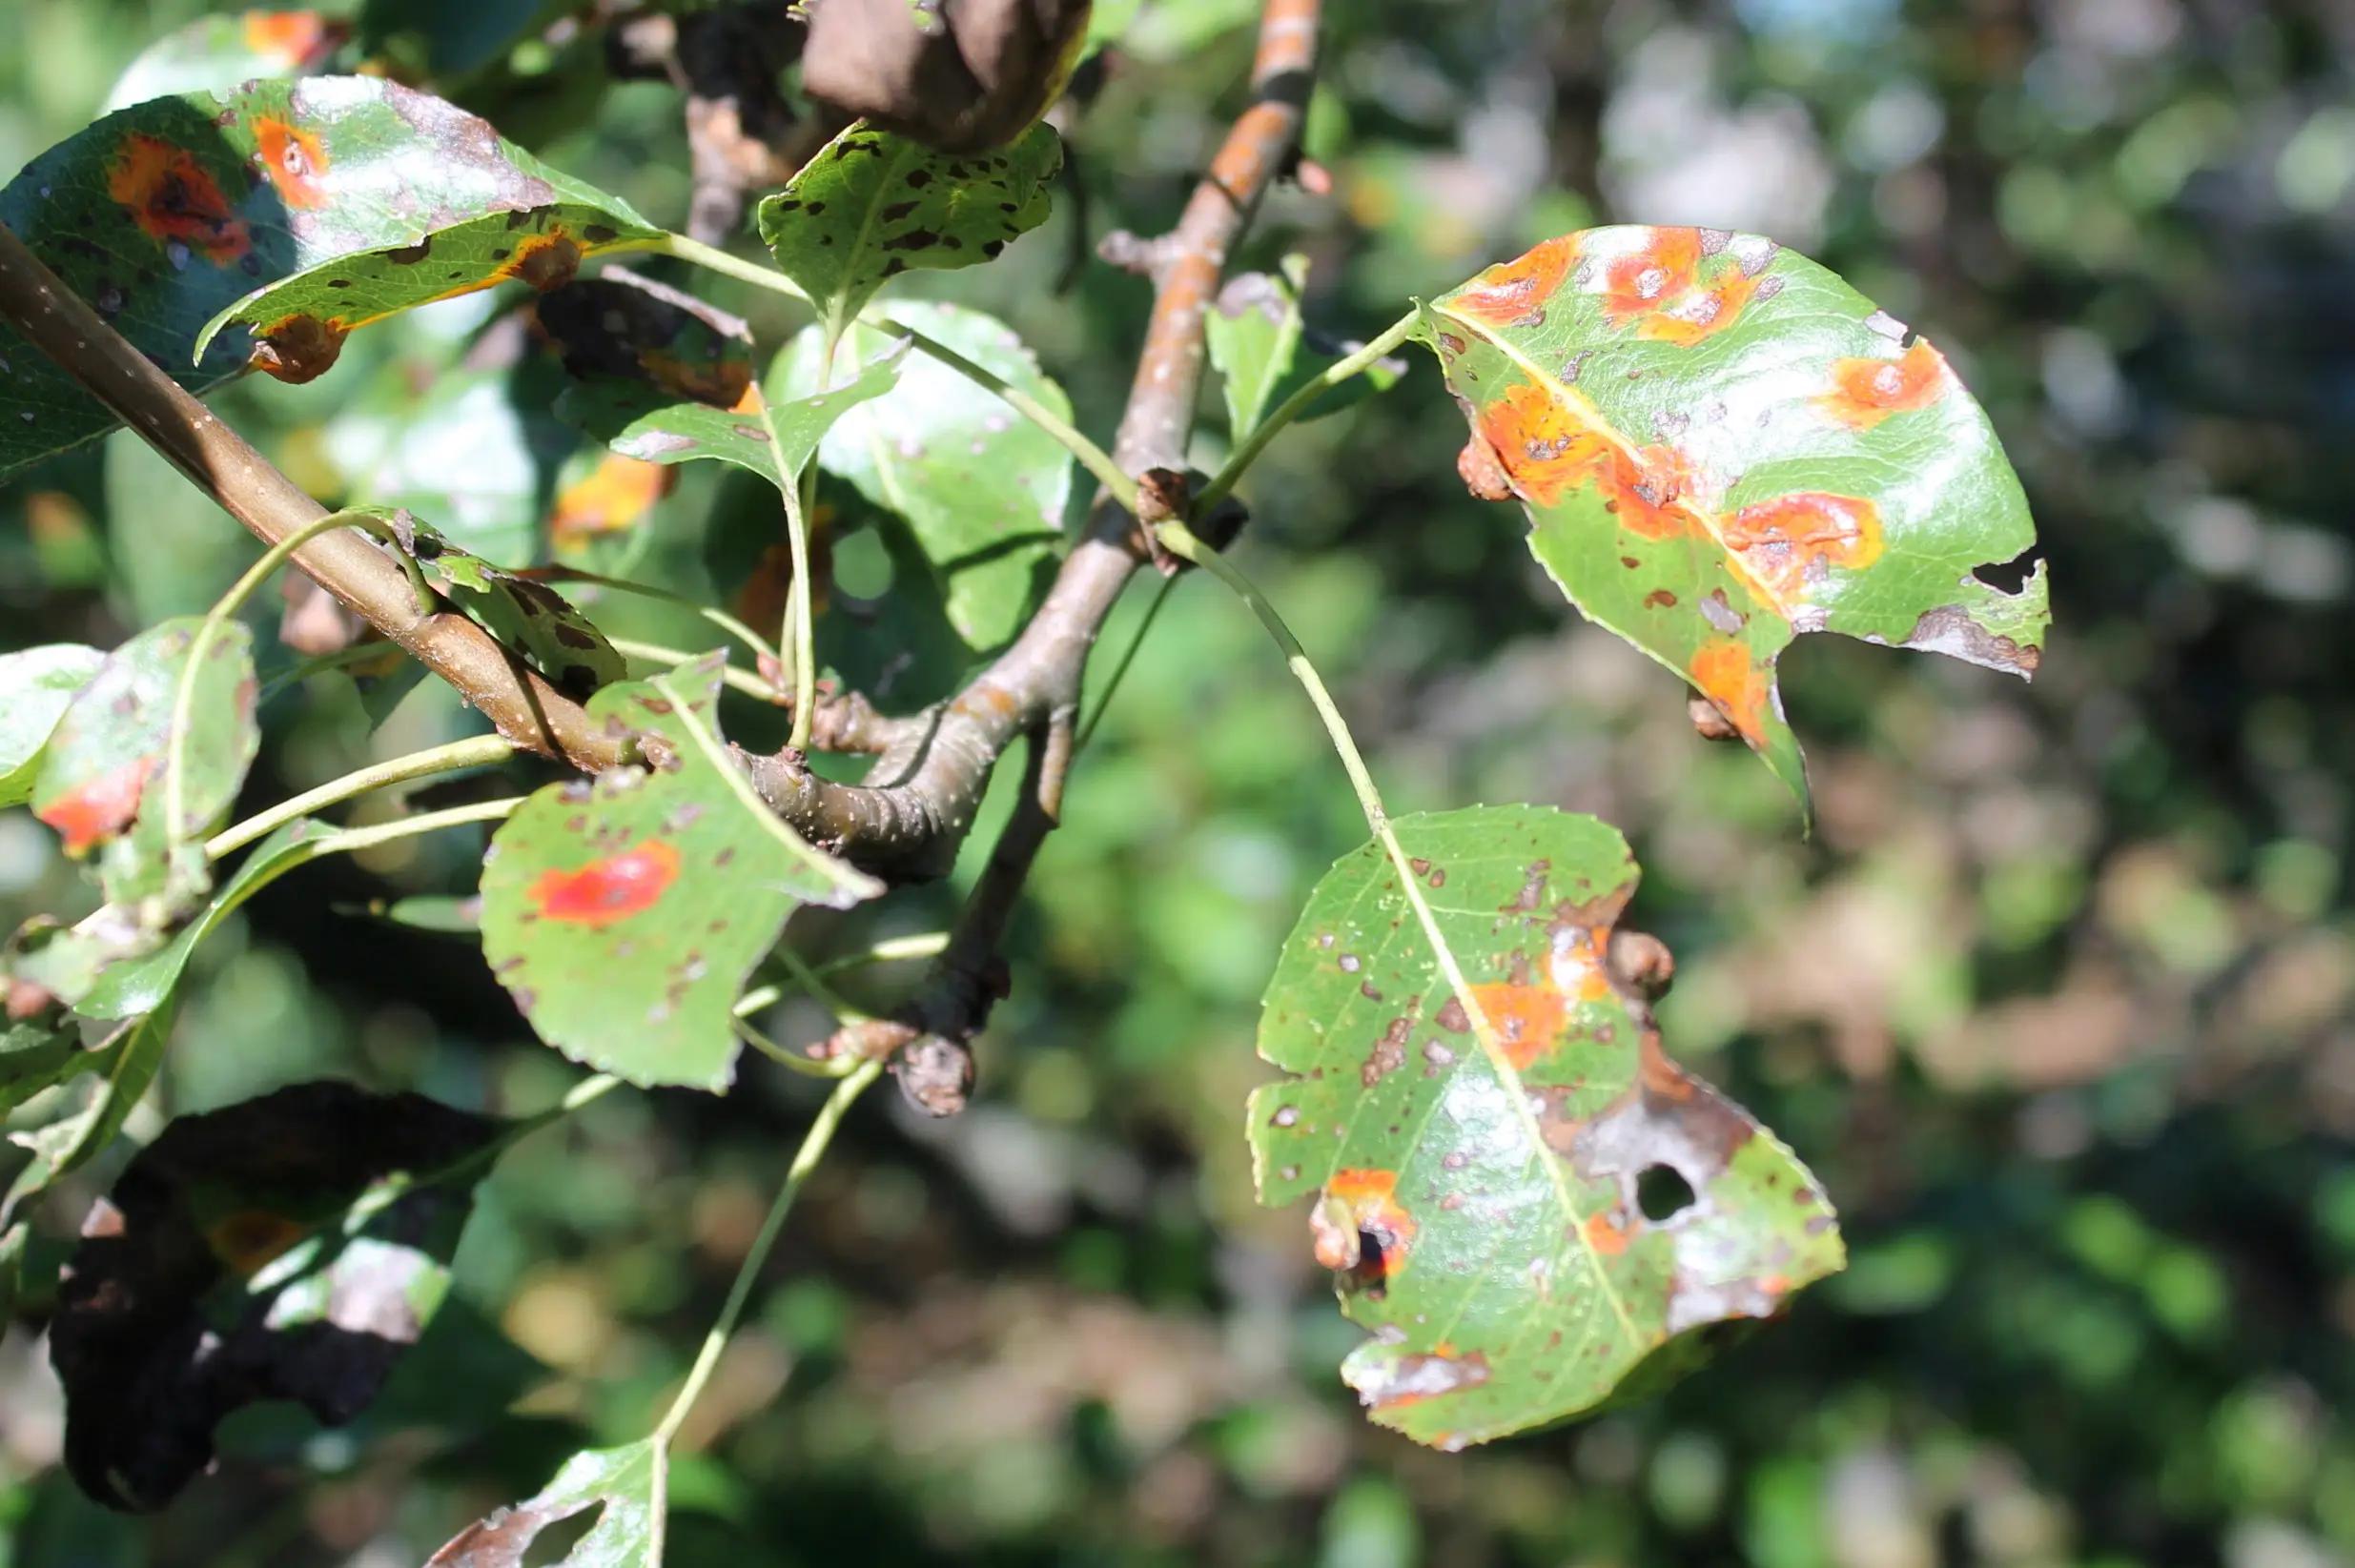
(1661, 1194)
(2009, 576)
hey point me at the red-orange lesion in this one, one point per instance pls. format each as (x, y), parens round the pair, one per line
(1527, 1020)
(614, 496)
(1703, 311)
(1605, 1236)
(1645, 279)
(607, 891)
(99, 807)
(1725, 672)
(292, 38)
(1546, 447)
(1786, 544)
(1865, 391)
(1650, 491)
(294, 160)
(1507, 292)
(172, 198)
(1370, 1196)
(545, 261)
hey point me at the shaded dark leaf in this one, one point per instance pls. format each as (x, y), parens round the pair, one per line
(959, 76)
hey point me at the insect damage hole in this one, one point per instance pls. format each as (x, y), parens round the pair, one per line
(1662, 1192)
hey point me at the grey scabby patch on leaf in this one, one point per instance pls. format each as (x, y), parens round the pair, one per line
(106, 779)
(35, 685)
(872, 204)
(639, 419)
(527, 616)
(1720, 445)
(290, 1246)
(625, 913)
(1474, 1123)
(980, 489)
(626, 1484)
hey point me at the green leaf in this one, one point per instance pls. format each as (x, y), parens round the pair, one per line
(290, 1246)
(1721, 445)
(35, 685)
(220, 54)
(1264, 353)
(13, 1242)
(106, 775)
(980, 488)
(527, 616)
(626, 1484)
(639, 419)
(37, 1055)
(309, 207)
(624, 914)
(872, 204)
(128, 1059)
(1479, 1123)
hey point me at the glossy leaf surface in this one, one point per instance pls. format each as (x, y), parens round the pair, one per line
(35, 685)
(872, 204)
(287, 1247)
(626, 1484)
(307, 208)
(625, 913)
(1475, 1122)
(1721, 445)
(980, 488)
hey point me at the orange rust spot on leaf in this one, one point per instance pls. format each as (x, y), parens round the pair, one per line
(1370, 1198)
(1865, 391)
(1544, 446)
(1790, 542)
(248, 1240)
(609, 890)
(611, 497)
(290, 38)
(1411, 1379)
(294, 160)
(1729, 677)
(721, 383)
(1528, 1019)
(1604, 1235)
(1644, 281)
(545, 261)
(1482, 475)
(300, 348)
(1701, 312)
(1511, 290)
(1647, 490)
(751, 401)
(99, 808)
(171, 197)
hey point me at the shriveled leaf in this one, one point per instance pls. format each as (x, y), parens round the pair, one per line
(1721, 445)
(288, 1248)
(35, 685)
(340, 198)
(217, 54)
(873, 204)
(527, 614)
(639, 419)
(624, 914)
(619, 326)
(980, 488)
(1264, 353)
(128, 1059)
(468, 210)
(105, 777)
(1478, 1122)
(626, 1484)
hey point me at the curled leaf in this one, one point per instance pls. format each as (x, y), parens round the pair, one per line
(624, 1484)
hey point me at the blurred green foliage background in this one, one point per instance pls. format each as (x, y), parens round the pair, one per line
(2060, 1002)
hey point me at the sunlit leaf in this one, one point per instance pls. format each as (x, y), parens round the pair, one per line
(1721, 445)
(872, 204)
(639, 419)
(35, 685)
(979, 488)
(527, 616)
(14, 1240)
(306, 208)
(128, 1059)
(1481, 1125)
(626, 1486)
(220, 54)
(625, 913)
(288, 1248)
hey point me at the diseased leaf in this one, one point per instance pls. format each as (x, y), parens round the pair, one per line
(873, 204)
(1721, 445)
(1475, 1124)
(288, 1248)
(128, 1059)
(104, 780)
(624, 914)
(625, 1483)
(639, 420)
(306, 208)
(527, 614)
(1264, 353)
(218, 54)
(620, 326)
(35, 685)
(980, 488)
